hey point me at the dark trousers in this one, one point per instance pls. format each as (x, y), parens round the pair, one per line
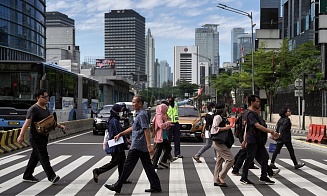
(175, 130)
(39, 153)
(118, 158)
(130, 163)
(239, 159)
(160, 146)
(258, 152)
(290, 149)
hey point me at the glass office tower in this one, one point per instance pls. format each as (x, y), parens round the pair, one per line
(22, 30)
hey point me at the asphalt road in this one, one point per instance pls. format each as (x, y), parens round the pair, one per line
(73, 159)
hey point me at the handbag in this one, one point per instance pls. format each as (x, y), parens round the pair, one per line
(46, 125)
(224, 137)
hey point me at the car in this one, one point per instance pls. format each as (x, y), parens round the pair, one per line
(100, 123)
(190, 122)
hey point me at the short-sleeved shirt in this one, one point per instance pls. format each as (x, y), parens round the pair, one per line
(138, 137)
(251, 130)
(36, 114)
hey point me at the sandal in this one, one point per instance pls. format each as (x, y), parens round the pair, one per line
(197, 159)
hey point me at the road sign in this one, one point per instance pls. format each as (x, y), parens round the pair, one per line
(298, 83)
(298, 93)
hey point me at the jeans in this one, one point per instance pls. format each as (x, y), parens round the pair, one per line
(39, 153)
(290, 149)
(130, 163)
(258, 152)
(175, 130)
(206, 146)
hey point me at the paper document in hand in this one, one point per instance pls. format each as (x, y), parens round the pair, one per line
(115, 143)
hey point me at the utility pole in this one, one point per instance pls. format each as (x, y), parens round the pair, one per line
(210, 70)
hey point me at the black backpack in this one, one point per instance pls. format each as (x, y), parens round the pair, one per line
(209, 120)
(239, 125)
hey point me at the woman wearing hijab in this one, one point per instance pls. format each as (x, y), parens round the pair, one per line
(284, 128)
(117, 152)
(161, 124)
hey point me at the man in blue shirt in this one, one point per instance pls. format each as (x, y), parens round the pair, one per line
(140, 149)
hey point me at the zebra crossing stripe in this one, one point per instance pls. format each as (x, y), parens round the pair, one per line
(177, 185)
(112, 179)
(206, 178)
(18, 179)
(246, 190)
(10, 159)
(12, 168)
(316, 163)
(278, 187)
(308, 170)
(300, 181)
(141, 185)
(44, 183)
(75, 186)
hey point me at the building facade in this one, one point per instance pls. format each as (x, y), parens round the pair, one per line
(150, 70)
(207, 39)
(235, 49)
(60, 46)
(186, 64)
(124, 41)
(164, 73)
(22, 30)
(300, 21)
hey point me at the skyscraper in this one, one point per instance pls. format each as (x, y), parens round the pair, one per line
(22, 30)
(60, 45)
(235, 48)
(186, 64)
(124, 41)
(207, 38)
(150, 70)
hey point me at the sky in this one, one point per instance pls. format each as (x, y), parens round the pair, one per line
(172, 22)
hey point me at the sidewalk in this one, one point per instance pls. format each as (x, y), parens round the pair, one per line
(299, 137)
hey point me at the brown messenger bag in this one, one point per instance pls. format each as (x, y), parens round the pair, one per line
(46, 125)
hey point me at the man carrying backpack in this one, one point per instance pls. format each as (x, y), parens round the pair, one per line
(239, 133)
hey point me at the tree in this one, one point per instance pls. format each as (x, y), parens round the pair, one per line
(185, 87)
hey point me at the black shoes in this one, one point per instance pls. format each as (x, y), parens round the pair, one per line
(274, 172)
(55, 179)
(112, 188)
(273, 166)
(266, 180)
(157, 167)
(299, 165)
(95, 175)
(246, 181)
(30, 179)
(127, 182)
(153, 190)
(236, 173)
(163, 165)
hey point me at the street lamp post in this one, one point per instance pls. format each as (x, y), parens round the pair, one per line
(210, 71)
(237, 11)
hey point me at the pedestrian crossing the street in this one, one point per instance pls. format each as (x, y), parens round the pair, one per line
(77, 178)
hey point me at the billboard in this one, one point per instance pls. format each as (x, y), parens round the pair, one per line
(105, 63)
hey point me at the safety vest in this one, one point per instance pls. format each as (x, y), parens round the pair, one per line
(173, 113)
